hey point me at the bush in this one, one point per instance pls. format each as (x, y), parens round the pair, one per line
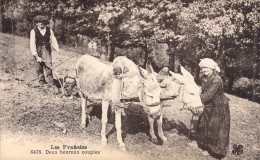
(135, 54)
(159, 57)
(247, 88)
(22, 28)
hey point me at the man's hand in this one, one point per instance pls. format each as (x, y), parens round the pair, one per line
(38, 59)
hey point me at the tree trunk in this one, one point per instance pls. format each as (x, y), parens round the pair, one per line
(177, 63)
(107, 49)
(146, 53)
(171, 56)
(11, 25)
(197, 75)
(171, 61)
(255, 49)
(1, 16)
(111, 55)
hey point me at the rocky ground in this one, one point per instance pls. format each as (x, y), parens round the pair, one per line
(34, 118)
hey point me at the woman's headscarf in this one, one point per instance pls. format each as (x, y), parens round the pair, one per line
(209, 63)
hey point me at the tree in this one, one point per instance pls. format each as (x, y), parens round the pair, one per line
(8, 10)
(139, 26)
(110, 16)
(222, 31)
(1, 15)
(168, 29)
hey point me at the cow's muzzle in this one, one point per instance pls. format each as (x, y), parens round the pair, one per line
(153, 104)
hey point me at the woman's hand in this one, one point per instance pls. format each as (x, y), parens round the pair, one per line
(197, 111)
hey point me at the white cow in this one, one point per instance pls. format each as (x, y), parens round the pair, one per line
(95, 78)
(184, 86)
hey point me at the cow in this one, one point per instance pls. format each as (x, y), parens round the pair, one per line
(176, 85)
(184, 86)
(95, 81)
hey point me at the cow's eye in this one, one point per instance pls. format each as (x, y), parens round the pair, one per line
(149, 96)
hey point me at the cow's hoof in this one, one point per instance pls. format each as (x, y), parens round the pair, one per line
(164, 140)
(122, 148)
(154, 140)
(83, 125)
(122, 144)
(104, 142)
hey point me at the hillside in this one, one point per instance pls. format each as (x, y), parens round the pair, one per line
(36, 118)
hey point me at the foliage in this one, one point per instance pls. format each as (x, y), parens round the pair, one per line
(227, 31)
(247, 88)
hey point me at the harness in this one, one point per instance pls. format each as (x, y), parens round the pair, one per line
(146, 107)
(153, 115)
(124, 99)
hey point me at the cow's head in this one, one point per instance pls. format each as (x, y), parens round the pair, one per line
(186, 88)
(150, 90)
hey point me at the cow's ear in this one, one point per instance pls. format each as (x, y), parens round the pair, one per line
(142, 73)
(186, 74)
(177, 76)
(149, 67)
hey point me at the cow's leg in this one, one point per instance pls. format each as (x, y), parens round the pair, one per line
(105, 105)
(118, 122)
(88, 110)
(160, 129)
(151, 123)
(83, 110)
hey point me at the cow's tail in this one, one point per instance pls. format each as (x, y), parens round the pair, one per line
(77, 81)
(76, 74)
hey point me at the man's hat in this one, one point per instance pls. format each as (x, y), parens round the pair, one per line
(40, 18)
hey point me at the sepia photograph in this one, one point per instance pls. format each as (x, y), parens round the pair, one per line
(129, 79)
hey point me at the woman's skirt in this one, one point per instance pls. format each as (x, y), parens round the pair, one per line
(213, 129)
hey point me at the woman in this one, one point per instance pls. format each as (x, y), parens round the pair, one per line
(214, 123)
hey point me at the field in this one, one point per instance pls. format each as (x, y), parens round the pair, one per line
(34, 118)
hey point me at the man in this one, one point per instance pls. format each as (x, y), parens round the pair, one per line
(41, 40)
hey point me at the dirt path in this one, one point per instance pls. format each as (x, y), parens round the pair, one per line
(36, 118)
